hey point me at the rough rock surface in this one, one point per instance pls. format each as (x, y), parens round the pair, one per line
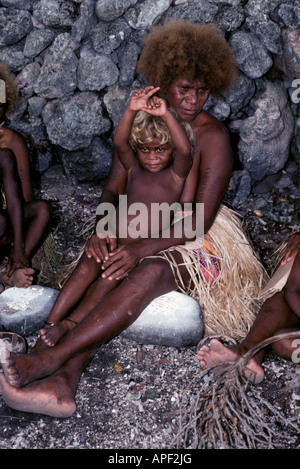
(70, 56)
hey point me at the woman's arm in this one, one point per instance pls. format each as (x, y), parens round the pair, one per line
(293, 246)
(292, 288)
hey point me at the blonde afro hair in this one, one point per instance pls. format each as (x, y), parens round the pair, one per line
(183, 49)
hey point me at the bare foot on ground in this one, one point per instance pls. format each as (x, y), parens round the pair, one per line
(216, 354)
(48, 396)
(21, 278)
(52, 334)
(20, 370)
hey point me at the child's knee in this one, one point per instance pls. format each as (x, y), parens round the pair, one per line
(44, 209)
(39, 209)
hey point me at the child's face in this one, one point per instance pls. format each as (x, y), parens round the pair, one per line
(155, 157)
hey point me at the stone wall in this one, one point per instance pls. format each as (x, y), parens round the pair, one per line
(74, 63)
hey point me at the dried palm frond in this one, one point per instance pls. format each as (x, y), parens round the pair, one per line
(228, 412)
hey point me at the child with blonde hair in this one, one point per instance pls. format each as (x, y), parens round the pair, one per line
(155, 150)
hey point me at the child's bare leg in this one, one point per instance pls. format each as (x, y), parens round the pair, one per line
(85, 273)
(274, 315)
(95, 293)
(20, 278)
(37, 216)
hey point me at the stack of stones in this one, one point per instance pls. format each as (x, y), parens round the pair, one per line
(74, 62)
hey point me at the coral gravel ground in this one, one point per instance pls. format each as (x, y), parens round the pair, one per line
(130, 395)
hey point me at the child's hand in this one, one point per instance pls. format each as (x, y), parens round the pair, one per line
(157, 106)
(139, 99)
(17, 260)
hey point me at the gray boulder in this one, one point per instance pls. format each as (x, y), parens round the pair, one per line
(251, 55)
(25, 310)
(265, 136)
(74, 123)
(109, 10)
(89, 165)
(95, 71)
(55, 13)
(171, 320)
(14, 25)
(58, 78)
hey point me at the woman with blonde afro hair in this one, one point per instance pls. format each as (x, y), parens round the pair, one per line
(181, 48)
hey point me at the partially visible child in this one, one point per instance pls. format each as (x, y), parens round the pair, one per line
(23, 220)
(279, 314)
(155, 149)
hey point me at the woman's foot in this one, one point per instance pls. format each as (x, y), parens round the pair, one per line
(49, 396)
(216, 354)
(52, 333)
(20, 278)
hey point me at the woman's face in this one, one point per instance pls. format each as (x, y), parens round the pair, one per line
(187, 98)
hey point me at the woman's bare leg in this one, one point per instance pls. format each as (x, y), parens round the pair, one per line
(117, 311)
(53, 395)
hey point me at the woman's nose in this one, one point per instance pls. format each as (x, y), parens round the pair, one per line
(192, 96)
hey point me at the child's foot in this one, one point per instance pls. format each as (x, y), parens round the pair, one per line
(216, 354)
(20, 278)
(52, 334)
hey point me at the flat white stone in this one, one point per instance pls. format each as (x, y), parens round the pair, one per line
(24, 310)
(172, 320)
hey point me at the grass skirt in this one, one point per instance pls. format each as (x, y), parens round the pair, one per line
(227, 280)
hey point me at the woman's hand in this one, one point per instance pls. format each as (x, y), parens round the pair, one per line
(292, 248)
(121, 262)
(100, 248)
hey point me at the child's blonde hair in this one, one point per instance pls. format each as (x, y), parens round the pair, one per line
(146, 128)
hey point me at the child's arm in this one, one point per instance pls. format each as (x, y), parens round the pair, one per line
(183, 158)
(18, 258)
(138, 101)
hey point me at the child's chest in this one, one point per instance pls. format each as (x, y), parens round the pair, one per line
(163, 186)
